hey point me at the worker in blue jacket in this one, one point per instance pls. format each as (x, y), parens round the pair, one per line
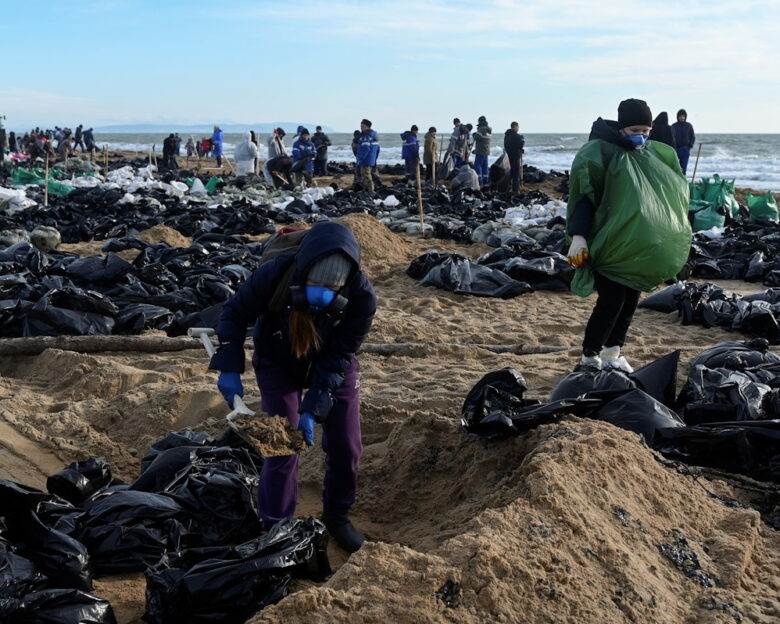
(311, 310)
(216, 145)
(684, 138)
(410, 152)
(303, 154)
(367, 154)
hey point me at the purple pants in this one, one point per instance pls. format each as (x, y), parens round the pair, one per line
(341, 441)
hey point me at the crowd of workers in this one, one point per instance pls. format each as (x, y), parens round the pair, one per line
(62, 142)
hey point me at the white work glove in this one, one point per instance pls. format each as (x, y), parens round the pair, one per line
(578, 251)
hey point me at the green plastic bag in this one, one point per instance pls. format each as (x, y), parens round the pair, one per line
(640, 235)
(720, 193)
(25, 176)
(59, 189)
(762, 207)
(211, 185)
(706, 215)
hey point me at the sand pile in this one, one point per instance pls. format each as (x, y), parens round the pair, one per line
(573, 522)
(269, 435)
(164, 234)
(381, 249)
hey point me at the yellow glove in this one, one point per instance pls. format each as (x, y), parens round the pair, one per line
(578, 251)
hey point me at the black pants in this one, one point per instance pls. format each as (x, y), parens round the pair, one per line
(514, 174)
(611, 317)
(429, 172)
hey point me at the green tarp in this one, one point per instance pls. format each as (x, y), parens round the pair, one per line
(706, 215)
(36, 176)
(640, 236)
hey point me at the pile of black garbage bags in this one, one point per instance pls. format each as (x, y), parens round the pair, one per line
(707, 304)
(727, 415)
(189, 522)
(744, 251)
(518, 265)
(164, 287)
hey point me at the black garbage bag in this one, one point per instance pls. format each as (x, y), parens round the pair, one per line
(61, 558)
(18, 577)
(70, 311)
(637, 411)
(665, 300)
(58, 606)
(128, 531)
(749, 448)
(770, 295)
(80, 480)
(737, 355)
(588, 379)
(464, 277)
(722, 394)
(161, 472)
(217, 492)
(134, 318)
(490, 404)
(173, 440)
(659, 378)
(107, 269)
(757, 318)
(543, 270)
(239, 581)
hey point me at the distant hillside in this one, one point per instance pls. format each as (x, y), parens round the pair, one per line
(289, 126)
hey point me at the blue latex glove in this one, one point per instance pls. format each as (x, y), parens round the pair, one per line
(229, 385)
(306, 424)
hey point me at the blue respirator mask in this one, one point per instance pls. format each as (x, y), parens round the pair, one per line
(637, 139)
(319, 297)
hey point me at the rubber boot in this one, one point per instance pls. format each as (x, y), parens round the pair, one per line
(611, 358)
(343, 531)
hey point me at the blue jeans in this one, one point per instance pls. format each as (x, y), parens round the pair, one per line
(456, 160)
(481, 167)
(684, 153)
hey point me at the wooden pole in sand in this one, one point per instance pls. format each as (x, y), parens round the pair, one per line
(696, 165)
(521, 171)
(419, 199)
(46, 183)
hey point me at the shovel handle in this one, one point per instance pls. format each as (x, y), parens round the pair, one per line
(204, 333)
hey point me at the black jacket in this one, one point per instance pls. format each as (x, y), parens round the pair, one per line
(661, 131)
(514, 144)
(683, 134)
(324, 371)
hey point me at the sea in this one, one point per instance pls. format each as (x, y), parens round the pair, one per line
(751, 160)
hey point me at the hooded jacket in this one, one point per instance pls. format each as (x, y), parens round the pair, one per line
(304, 150)
(216, 142)
(514, 144)
(430, 151)
(411, 146)
(367, 149)
(661, 131)
(683, 134)
(458, 140)
(246, 150)
(482, 139)
(324, 371)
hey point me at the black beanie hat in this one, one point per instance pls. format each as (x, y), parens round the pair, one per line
(633, 112)
(414, 128)
(366, 122)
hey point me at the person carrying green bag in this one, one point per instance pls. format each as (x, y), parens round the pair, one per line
(627, 217)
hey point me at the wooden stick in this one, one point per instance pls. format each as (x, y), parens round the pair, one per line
(696, 166)
(160, 344)
(419, 198)
(521, 171)
(433, 167)
(46, 183)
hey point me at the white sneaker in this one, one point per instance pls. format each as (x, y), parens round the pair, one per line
(591, 361)
(611, 358)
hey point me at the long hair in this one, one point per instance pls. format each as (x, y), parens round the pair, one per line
(303, 334)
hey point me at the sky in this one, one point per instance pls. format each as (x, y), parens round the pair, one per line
(553, 66)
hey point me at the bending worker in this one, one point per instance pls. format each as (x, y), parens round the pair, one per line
(312, 309)
(628, 221)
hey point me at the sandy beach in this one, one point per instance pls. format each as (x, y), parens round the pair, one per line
(566, 523)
